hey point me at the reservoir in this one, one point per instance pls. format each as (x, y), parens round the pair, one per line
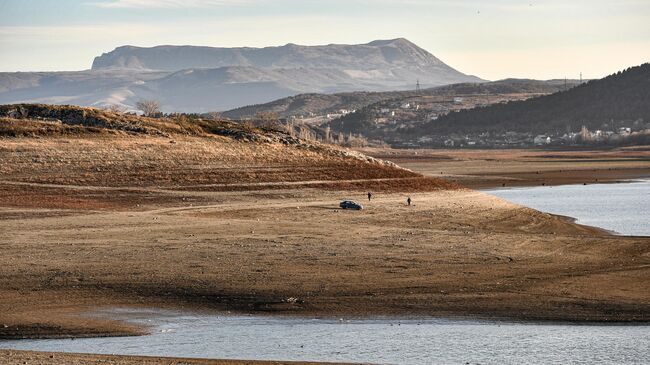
(379, 340)
(623, 208)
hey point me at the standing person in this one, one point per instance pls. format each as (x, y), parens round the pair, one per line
(369, 196)
(408, 200)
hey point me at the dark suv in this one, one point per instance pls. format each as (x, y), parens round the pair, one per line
(349, 204)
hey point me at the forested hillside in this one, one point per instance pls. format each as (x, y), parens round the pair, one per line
(619, 99)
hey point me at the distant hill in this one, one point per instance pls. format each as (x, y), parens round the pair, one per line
(77, 145)
(330, 103)
(380, 65)
(402, 124)
(597, 104)
(203, 79)
(86, 88)
(304, 104)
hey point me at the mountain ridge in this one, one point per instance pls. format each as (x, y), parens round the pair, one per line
(368, 55)
(205, 79)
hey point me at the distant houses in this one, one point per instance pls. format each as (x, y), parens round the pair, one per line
(541, 140)
(339, 113)
(514, 139)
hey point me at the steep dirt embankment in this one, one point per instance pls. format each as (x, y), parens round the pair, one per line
(64, 145)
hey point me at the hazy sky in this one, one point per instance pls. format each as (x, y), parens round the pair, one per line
(492, 39)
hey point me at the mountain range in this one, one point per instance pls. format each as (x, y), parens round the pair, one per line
(201, 79)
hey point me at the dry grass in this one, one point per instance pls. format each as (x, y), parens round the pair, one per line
(91, 147)
(190, 163)
(45, 120)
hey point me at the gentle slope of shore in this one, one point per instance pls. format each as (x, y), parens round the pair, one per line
(192, 220)
(485, 169)
(52, 358)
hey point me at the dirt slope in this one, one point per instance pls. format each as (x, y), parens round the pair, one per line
(84, 146)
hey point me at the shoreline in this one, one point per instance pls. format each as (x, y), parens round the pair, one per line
(157, 312)
(146, 330)
(70, 358)
(568, 218)
(486, 169)
(75, 357)
(640, 178)
(333, 305)
(173, 311)
(455, 253)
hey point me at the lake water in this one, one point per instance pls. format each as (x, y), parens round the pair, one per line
(383, 341)
(623, 208)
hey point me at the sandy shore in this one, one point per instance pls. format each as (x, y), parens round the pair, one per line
(454, 253)
(155, 232)
(483, 169)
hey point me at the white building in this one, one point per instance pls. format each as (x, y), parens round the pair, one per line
(542, 140)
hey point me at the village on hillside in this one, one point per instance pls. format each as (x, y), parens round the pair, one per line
(398, 123)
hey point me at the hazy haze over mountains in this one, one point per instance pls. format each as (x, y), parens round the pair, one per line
(199, 79)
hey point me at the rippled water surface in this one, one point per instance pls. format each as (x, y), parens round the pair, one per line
(623, 208)
(377, 341)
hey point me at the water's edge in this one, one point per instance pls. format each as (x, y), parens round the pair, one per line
(622, 212)
(368, 340)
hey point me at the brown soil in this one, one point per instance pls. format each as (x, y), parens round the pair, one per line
(452, 253)
(481, 169)
(100, 221)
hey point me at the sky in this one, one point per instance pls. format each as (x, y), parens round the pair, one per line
(541, 39)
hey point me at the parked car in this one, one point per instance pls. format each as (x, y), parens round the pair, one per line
(349, 204)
